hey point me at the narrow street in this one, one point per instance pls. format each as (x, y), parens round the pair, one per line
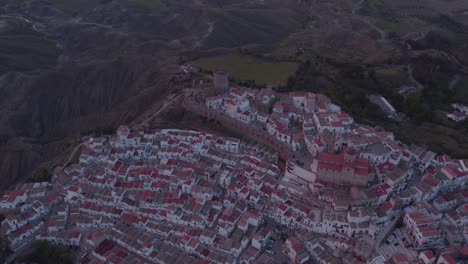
(386, 231)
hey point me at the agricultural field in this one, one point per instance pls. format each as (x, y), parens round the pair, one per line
(343, 54)
(242, 67)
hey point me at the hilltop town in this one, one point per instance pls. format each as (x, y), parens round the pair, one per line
(317, 187)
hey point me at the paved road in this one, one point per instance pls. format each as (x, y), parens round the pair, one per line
(385, 231)
(25, 247)
(24, 251)
(388, 250)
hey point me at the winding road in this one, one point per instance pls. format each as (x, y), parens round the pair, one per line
(414, 36)
(33, 24)
(356, 8)
(211, 27)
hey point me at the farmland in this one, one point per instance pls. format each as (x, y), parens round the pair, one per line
(242, 67)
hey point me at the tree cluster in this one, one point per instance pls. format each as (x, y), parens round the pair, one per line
(47, 253)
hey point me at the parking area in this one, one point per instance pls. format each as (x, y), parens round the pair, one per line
(274, 248)
(397, 242)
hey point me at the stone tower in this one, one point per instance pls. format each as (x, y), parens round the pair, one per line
(221, 79)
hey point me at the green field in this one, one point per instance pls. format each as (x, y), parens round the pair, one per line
(242, 68)
(392, 79)
(343, 54)
(23, 49)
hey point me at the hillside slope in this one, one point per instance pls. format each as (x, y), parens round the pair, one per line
(70, 67)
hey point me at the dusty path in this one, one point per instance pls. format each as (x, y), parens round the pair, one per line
(211, 27)
(356, 8)
(72, 154)
(171, 99)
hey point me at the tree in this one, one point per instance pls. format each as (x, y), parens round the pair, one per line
(45, 253)
(372, 75)
(399, 223)
(109, 131)
(45, 176)
(416, 109)
(5, 252)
